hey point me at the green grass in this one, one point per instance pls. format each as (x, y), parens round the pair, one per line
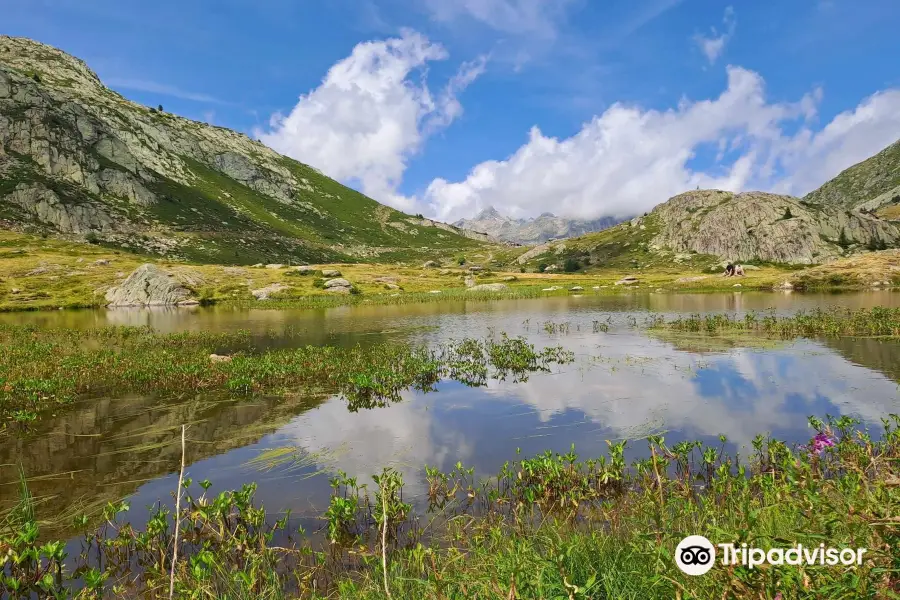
(41, 369)
(546, 526)
(874, 322)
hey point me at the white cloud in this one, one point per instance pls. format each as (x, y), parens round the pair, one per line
(368, 117)
(713, 45)
(627, 160)
(812, 158)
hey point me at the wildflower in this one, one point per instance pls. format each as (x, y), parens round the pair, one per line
(820, 442)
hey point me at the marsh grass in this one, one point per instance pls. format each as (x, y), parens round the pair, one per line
(874, 322)
(44, 368)
(548, 526)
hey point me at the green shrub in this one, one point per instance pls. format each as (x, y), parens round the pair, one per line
(571, 265)
(319, 282)
(542, 267)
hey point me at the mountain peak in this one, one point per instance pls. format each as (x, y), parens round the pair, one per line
(489, 213)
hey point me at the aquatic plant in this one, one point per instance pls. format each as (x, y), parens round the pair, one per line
(44, 368)
(870, 322)
(551, 525)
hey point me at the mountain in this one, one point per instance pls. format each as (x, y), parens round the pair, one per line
(872, 184)
(837, 220)
(80, 161)
(536, 230)
(770, 227)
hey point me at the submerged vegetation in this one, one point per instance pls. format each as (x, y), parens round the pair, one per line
(44, 368)
(548, 526)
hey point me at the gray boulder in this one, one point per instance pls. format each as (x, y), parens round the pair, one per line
(148, 285)
(331, 273)
(339, 285)
(264, 293)
(488, 287)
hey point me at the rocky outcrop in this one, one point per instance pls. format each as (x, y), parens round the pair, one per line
(44, 205)
(757, 225)
(148, 285)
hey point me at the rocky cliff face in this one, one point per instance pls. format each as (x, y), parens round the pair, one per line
(79, 159)
(756, 225)
(532, 231)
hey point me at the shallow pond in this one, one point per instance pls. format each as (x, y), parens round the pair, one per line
(624, 383)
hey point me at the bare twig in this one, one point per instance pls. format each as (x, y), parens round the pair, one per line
(177, 518)
(658, 478)
(384, 527)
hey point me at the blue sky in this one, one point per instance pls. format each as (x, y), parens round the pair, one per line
(578, 107)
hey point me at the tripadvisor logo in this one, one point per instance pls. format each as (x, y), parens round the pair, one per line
(695, 555)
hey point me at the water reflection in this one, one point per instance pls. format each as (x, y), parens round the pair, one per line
(320, 324)
(624, 384)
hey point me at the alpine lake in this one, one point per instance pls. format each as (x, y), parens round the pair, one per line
(626, 382)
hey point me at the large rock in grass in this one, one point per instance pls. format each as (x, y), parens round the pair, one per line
(339, 285)
(148, 285)
(265, 292)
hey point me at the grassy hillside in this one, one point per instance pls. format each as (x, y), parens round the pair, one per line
(81, 162)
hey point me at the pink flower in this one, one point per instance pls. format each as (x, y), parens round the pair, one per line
(820, 442)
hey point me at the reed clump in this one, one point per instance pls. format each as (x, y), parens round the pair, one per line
(869, 322)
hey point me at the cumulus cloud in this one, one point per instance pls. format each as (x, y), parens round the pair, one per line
(812, 158)
(713, 45)
(369, 116)
(627, 160)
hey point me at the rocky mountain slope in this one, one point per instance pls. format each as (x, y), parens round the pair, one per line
(81, 161)
(770, 227)
(532, 231)
(835, 221)
(870, 185)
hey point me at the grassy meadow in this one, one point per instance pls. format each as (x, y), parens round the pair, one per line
(38, 273)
